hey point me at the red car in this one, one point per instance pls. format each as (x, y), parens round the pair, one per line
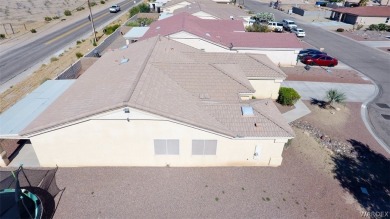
(320, 60)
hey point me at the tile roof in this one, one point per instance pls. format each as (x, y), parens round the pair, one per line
(164, 77)
(220, 11)
(227, 33)
(366, 11)
(192, 24)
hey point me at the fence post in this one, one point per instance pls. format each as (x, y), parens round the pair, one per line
(12, 28)
(5, 29)
(25, 26)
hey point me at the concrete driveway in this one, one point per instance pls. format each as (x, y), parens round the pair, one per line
(317, 90)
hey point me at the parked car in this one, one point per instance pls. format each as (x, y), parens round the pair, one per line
(115, 9)
(309, 52)
(288, 24)
(275, 26)
(298, 31)
(320, 60)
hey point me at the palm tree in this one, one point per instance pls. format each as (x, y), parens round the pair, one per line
(334, 96)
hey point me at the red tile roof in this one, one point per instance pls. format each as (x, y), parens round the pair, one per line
(222, 32)
(367, 11)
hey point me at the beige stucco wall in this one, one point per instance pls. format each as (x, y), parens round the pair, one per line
(284, 57)
(371, 20)
(266, 88)
(111, 141)
(279, 57)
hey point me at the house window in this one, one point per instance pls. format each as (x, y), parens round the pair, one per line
(204, 147)
(166, 146)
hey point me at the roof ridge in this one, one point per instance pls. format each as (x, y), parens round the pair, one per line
(230, 76)
(266, 116)
(141, 70)
(250, 56)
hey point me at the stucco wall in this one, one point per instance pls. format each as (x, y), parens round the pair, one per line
(371, 20)
(286, 57)
(279, 57)
(111, 141)
(266, 88)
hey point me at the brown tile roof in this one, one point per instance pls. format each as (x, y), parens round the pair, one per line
(220, 11)
(366, 11)
(162, 78)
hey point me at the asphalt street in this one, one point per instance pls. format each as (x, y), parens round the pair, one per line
(371, 62)
(16, 61)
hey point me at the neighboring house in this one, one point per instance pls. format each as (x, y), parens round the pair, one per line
(206, 9)
(157, 103)
(366, 15)
(226, 36)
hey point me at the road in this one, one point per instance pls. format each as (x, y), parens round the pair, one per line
(369, 61)
(16, 61)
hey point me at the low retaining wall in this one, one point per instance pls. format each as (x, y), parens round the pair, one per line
(302, 12)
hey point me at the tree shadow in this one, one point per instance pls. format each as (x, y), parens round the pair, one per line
(322, 104)
(369, 170)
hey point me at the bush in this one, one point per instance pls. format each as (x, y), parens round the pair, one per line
(80, 8)
(382, 27)
(67, 13)
(258, 28)
(340, 30)
(144, 8)
(102, 2)
(33, 31)
(78, 42)
(53, 59)
(133, 11)
(79, 55)
(48, 18)
(110, 29)
(56, 17)
(140, 21)
(91, 4)
(287, 96)
(2, 36)
(373, 27)
(359, 26)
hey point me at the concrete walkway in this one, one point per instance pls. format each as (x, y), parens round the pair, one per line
(300, 110)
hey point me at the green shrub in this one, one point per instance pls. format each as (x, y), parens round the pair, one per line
(53, 59)
(56, 17)
(91, 4)
(258, 28)
(373, 27)
(382, 27)
(144, 8)
(48, 18)
(2, 36)
(78, 42)
(110, 29)
(340, 30)
(33, 31)
(67, 13)
(102, 2)
(140, 21)
(133, 11)
(79, 55)
(80, 8)
(359, 26)
(287, 96)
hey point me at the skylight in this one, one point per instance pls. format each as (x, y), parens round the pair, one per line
(247, 111)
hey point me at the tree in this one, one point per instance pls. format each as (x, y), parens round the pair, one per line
(363, 2)
(264, 17)
(334, 96)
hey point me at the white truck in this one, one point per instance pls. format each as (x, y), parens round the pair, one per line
(288, 24)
